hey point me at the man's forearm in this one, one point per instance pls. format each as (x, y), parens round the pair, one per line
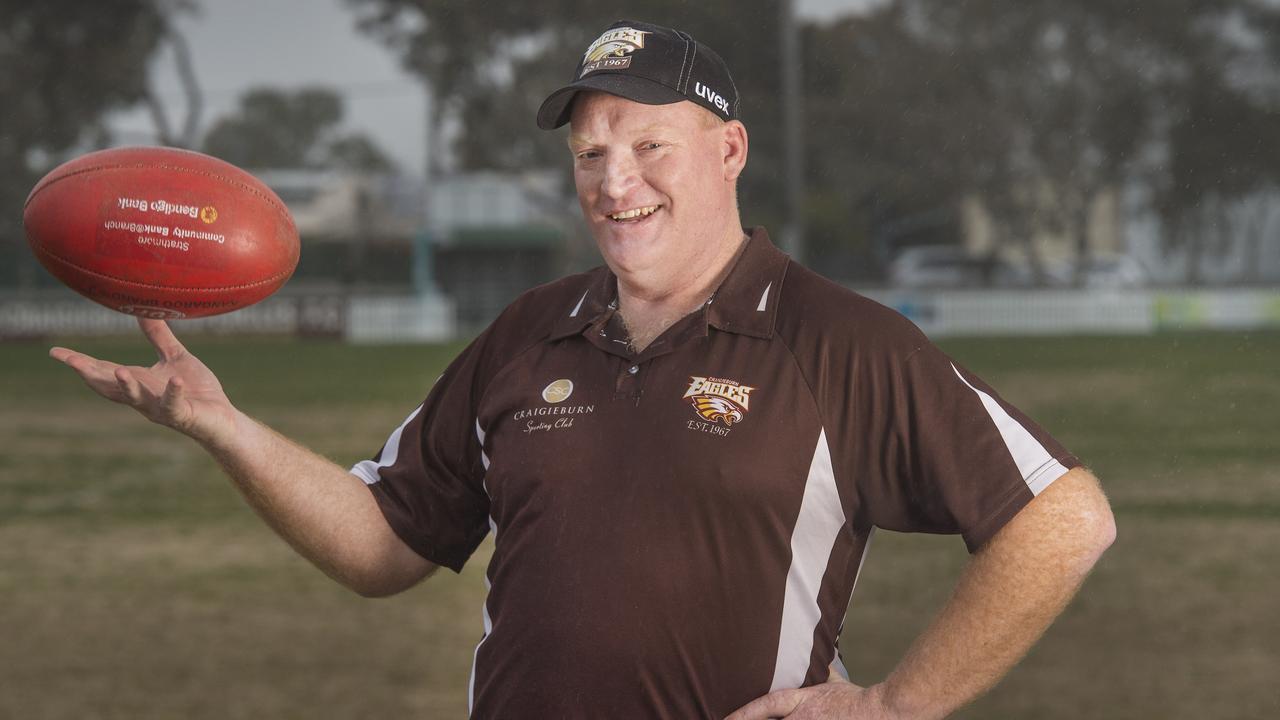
(1011, 591)
(325, 513)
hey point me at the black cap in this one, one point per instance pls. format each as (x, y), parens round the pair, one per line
(649, 64)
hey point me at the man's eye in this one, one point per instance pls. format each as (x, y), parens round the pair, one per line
(588, 155)
(651, 146)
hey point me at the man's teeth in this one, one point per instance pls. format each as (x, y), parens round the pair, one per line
(636, 212)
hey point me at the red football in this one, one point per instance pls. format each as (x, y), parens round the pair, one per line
(161, 232)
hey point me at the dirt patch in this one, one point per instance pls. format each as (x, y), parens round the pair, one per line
(218, 622)
(1030, 389)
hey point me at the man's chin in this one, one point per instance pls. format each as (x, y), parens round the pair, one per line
(629, 256)
(614, 237)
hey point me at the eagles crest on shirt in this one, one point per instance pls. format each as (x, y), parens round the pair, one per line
(718, 399)
(713, 408)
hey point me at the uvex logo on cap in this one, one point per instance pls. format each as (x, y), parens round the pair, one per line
(610, 51)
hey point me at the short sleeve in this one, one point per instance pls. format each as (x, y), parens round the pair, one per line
(428, 477)
(957, 458)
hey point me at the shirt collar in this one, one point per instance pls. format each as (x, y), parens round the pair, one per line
(746, 303)
(592, 303)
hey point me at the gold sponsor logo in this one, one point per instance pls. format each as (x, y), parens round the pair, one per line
(558, 391)
(208, 214)
(718, 399)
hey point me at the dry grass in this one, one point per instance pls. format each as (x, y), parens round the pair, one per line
(165, 621)
(1177, 621)
(133, 584)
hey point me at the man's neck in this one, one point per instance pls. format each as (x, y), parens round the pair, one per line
(648, 312)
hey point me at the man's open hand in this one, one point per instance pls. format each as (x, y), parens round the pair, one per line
(178, 391)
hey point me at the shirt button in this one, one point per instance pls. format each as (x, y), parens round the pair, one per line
(633, 369)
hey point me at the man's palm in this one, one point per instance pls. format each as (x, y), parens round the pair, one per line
(178, 391)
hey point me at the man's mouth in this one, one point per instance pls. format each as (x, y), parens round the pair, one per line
(634, 214)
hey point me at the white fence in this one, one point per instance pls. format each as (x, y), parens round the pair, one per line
(357, 319)
(1064, 312)
(429, 318)
(375, 319)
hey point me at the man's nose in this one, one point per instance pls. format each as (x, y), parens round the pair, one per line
(621, 174)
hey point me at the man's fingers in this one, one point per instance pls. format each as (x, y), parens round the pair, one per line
(777, 704)
(161, 338)
(173, 398)
(145, 390)
(61, 354)
(130, 386)
(173, 391)
(83, 364)
(99, 375)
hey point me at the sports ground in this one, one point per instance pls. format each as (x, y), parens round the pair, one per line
(135, 584)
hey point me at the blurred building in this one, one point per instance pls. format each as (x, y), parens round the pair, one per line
(1130, 245)
(479, 238)
(358, 230)
(1103, 231)
(1048, 257)
(493, 236)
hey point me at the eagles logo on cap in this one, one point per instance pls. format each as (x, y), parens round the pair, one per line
(649, 64)
(610, 50)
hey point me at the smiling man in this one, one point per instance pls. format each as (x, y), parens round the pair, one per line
(655, 183)
(688, 545)
(682, 454)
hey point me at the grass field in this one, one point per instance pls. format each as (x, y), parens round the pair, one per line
(135, 584)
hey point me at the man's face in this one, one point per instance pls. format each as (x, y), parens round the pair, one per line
(653, 184)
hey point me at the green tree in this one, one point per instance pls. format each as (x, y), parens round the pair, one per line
(1039, 108)
(187, 134)
(490, 64)
(1222, 122)
(883, 107)
(275, 128)
(358, 152)
(64, 64)
(1219, 156)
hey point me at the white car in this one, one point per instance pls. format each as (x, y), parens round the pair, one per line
(948, 266)
(1101, 272)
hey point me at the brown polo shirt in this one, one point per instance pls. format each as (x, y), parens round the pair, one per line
(679, 531)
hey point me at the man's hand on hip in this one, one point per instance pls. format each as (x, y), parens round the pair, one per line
(836, 699)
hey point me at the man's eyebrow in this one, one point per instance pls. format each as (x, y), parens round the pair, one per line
(577, 139)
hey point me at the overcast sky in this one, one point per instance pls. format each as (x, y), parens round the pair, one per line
(239, 44)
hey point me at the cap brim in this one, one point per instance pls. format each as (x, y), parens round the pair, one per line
(558, 106)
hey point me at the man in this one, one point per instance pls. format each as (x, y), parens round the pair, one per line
(682, 455)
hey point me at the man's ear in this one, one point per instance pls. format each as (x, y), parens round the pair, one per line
(734, 149)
